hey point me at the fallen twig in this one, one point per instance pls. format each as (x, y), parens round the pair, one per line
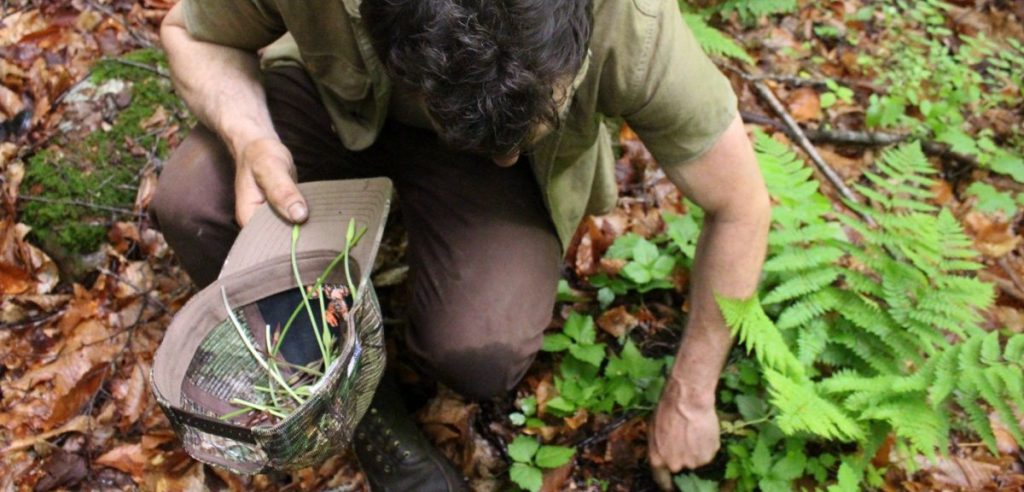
(142, 66)
(79, 203)
(606, 431)
(801, 139)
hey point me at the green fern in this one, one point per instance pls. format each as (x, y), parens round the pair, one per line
(713, 41)
(870, 322)
(752, 10)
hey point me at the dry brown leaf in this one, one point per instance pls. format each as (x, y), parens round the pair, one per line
(13, 280)
(804, 105)
(129, 458)
(80, 424)
(991, 238)
(959, 472)
(130, 394)
(84, 390)
(617, 321)
(554, 479)
(191, 480)
(1004, 439)
(158, 118)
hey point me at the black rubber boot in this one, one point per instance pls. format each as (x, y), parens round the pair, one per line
(395, 455)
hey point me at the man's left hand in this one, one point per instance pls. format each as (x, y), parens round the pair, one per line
(684, 433)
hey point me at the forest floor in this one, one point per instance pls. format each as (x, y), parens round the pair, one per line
(88, 115)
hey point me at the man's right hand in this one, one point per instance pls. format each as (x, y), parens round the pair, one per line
(265, 172)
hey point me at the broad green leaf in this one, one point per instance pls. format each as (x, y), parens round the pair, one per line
(761, 460)
(528, 406)
(605, 297)
(751, 407)
(790, 467)
(663, 266)
(645, 252)
(1009, 164)
(591, 354)
(553, 456)
(580, 328)
(828, 99)
(556, 342)
(522, 449)
(526, 476)
(561, 406)
(517, 418)
(689, 482)
(636, 272)
(622, 248)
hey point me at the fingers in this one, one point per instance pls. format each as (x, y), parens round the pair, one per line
(265, 173)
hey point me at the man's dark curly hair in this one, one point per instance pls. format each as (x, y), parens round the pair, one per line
(486, 69)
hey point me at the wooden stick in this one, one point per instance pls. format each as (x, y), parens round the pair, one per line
(79, 203)
(801, 139)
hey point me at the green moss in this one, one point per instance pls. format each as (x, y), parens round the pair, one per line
(78, 181)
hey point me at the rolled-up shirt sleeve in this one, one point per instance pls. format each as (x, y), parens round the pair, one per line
(680, 103)
(244, 24)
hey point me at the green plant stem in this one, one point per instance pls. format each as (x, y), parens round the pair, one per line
(319, 284)
(236, 413)
(256, 406)
(305, 298)
(270, 359)
(252, 350)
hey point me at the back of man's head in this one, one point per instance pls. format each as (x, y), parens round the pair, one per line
(489, 71)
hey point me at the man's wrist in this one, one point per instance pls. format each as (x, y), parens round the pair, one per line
(683, 393)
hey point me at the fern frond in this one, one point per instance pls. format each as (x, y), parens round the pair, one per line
(797, 259)
(802, 409)
(914, 421)
(978, 418)
(811, 341)
(803, 283)
(945, 376)
(814, 233)
(752, 10)
(752, 327)
(809, 307)
(713, 41)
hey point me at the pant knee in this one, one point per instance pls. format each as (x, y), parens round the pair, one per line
(479, 373)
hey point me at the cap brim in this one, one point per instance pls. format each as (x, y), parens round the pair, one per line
(331, 205)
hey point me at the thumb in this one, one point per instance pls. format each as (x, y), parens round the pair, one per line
(278, 185)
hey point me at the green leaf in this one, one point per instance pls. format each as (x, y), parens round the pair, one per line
(522, 449)
(556, 342)
(828, 99)
(645, 252)
(751, 407)
(790, 467)
(636, 272)
(991, 200)
(580, 328)
(554, 456)
(591, 354)
(561, 406)
(689, 482)
(663, 267)
(526, 476)
(1009, 164)
(622, 248)
(605, 297)
(517, 418)
(761, 459)
(529, 406)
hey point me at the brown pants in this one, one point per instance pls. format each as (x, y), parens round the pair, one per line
(483, 255)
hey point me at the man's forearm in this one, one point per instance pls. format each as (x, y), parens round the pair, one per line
(728, 263)
(219, 84)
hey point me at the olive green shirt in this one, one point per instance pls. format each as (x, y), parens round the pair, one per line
(644, 66)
